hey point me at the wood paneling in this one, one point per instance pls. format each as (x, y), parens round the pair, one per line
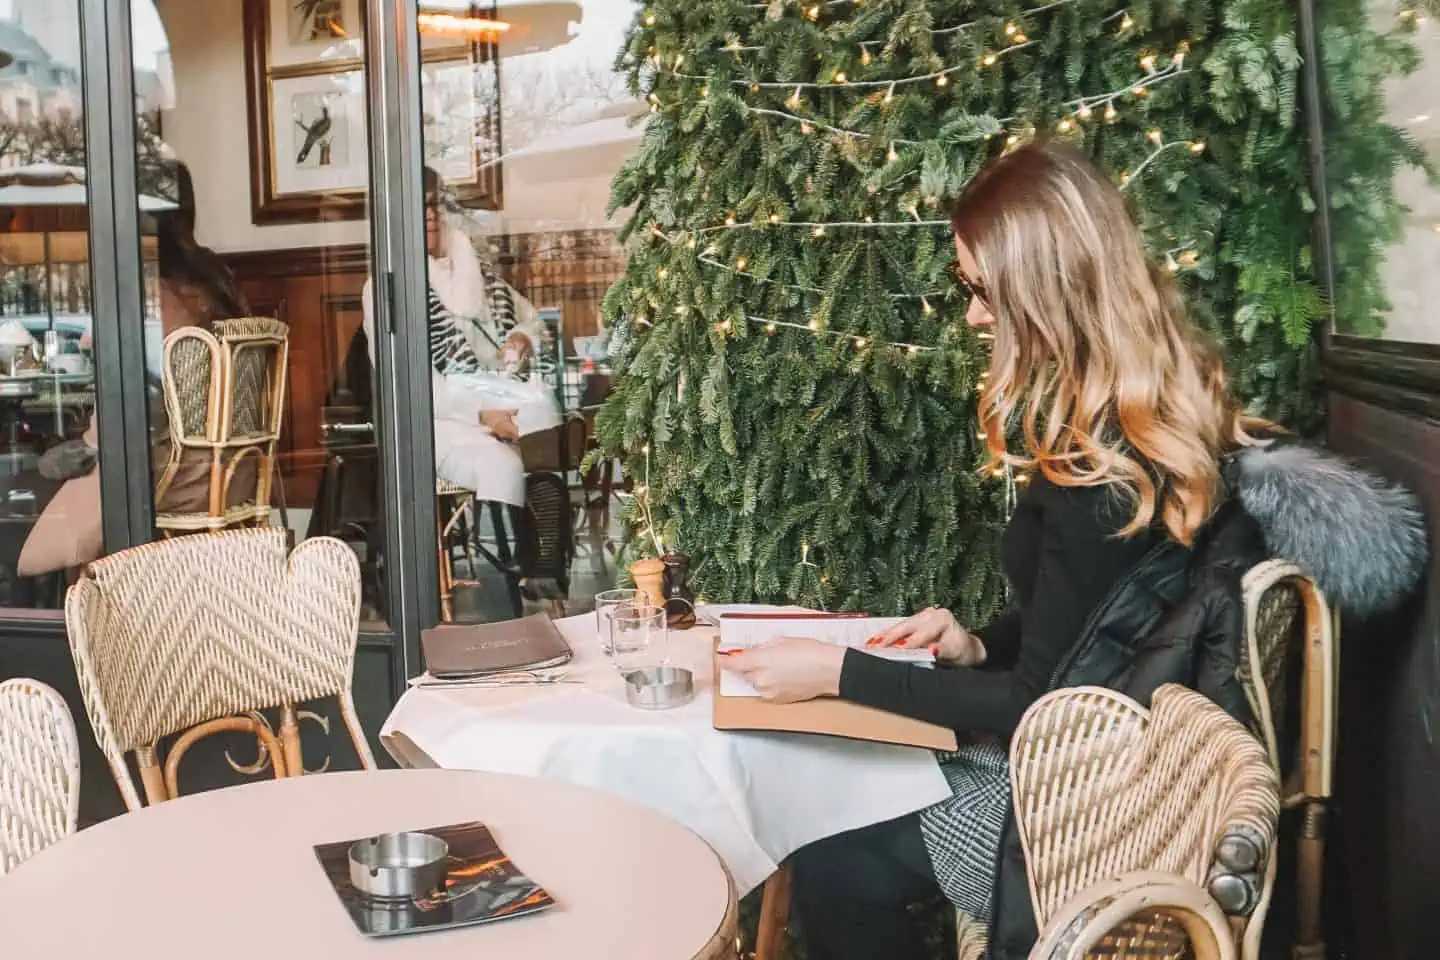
(1385, 831)
(317, 291)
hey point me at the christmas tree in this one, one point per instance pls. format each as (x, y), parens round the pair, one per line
(796, 388)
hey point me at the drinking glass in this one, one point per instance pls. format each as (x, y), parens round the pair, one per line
(605, 603)
(637, 636)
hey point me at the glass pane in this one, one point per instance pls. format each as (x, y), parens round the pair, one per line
(49, 478)
(257, 264)
(525, 124)
(1375, 125)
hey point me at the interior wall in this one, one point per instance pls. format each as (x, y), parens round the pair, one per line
(207, 128)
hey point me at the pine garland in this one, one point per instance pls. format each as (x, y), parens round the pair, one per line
(794, 361)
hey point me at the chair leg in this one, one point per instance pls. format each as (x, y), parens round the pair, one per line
(774, 914)
(1309, 874)
(447, 578)
(290, 740)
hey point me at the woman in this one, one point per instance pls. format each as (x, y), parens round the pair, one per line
(1124, 555)
(472, 441)
(196, 288)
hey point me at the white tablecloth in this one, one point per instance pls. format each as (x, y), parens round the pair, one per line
(755, 797)
(533, 401)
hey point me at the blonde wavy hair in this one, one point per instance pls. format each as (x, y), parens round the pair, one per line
(1112, 383)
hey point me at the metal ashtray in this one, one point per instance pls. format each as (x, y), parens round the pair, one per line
(659, 688)
(399, 866)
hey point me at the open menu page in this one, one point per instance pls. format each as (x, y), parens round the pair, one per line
(743, 632)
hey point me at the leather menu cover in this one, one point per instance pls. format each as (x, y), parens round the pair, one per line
(472, 650)
(828, 716)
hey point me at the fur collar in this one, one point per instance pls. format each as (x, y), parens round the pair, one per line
(1360, 536)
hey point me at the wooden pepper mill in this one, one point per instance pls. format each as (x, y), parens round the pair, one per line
(649, 577)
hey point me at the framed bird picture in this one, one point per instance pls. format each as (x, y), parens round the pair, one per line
(305, 98)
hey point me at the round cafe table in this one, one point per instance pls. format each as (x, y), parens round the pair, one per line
(232, 874)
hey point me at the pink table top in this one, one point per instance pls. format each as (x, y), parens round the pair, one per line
(231, 874)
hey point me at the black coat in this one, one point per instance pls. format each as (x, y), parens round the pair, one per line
(1179, 615)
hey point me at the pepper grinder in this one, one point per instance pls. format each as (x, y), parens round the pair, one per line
(649, 577)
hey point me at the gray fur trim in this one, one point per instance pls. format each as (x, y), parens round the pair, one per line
(1360, 536)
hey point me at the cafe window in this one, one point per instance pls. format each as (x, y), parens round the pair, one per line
(525, 124)
(49, 475)
(1410, 106)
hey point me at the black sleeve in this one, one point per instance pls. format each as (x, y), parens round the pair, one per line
(1079, 561)
(1002, 641)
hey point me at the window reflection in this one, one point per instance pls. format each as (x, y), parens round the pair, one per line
(252, 159)
(522, 254)
(49, 476)
(1411, 105)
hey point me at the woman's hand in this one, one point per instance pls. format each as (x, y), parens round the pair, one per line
(790, 669)
(937, 629)
(517, 348)
(501, 423)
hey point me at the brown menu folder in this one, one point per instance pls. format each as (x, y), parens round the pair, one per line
(829, 716)
(471, 650)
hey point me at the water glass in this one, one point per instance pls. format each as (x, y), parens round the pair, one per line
(637, 636)
(605, 604)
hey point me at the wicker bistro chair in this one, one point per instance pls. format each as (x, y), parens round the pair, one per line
(1147, 833)
(1291, 648)
(196, 635)
(39, 771)
(225, 397)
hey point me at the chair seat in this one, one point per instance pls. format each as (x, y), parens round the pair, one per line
(243, 513)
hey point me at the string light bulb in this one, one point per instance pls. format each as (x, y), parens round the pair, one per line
(890, 93)
(805, 128)
(925, 306)
(1065, 125)
(740, 263)
(942, 80)
(892, 155)
(1021, 38)
(794, 100)
(1147, 63)
(771, 327)
(1197, 146)
(705, 91)
(1155, 136)
(1170, 264)
(840, 77)
(730, 220)
(818, 232)
(1084, 112)
(1126, 23)
(865, 57)
(989, 59)
(1111, 115)
(650, 19)
(813, 12)
(860, 343)
(813, 324)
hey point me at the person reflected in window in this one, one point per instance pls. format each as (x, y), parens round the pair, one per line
(196, 287)
(469, 301)
(474, 443)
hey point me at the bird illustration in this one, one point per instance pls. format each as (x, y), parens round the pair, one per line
(320, 18)
(314, 133)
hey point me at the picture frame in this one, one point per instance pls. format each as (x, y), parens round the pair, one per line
(460, 125)
(305, 81)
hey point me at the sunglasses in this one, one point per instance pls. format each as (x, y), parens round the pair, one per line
(972, 288)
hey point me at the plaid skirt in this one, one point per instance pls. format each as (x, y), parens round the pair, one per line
(962, 833)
